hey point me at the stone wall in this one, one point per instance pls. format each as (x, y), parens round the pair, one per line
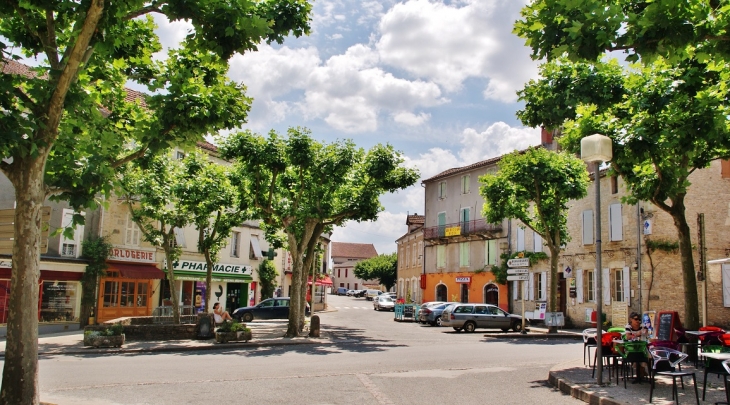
(141, 328)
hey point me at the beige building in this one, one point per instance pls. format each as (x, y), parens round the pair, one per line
(410, 260)
(344, 258)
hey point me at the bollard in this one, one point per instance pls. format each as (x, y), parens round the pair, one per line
(314, 326)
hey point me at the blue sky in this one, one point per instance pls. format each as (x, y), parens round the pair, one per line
(434, 78)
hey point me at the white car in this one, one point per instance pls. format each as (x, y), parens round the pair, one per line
(350, 293)
(383, 302)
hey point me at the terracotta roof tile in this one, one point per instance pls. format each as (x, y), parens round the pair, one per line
(415, 219)
(207, 146)
(353, 250)
(456, 170)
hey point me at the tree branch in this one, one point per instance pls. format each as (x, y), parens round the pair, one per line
(136, 155)
(52, 47)
(26, 99)
(152, 8)
(33, 32)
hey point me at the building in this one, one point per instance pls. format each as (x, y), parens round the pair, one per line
(460, 246)
(410, 260)
(344, 258)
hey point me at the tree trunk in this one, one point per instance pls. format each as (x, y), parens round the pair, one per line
(20, 372)
(691, 307)
(173, 290)
(208, 280)
(295, 306)
(553, 299)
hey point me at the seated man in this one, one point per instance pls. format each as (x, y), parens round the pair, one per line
(219, 314)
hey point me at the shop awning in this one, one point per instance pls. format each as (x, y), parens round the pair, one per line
(326, 280)
(146, 271)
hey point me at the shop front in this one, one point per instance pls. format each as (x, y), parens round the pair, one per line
(128, 287)
(59, 298)
(320, 287)
(231, 285)
(465, 287)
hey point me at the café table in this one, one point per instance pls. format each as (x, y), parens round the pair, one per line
(691, 348)
(720, 357)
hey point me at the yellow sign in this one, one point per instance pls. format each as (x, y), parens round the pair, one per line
(520, 255)
(453, 231)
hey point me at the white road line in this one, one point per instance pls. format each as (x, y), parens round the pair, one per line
(370, 386)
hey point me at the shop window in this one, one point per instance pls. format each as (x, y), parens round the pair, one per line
(58, 301)
(142, 294)
(111, 294)
(126, 298)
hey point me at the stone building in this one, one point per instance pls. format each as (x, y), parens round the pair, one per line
(344, 258)
(410, 260)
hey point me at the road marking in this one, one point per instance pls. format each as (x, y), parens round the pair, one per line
(370, 386)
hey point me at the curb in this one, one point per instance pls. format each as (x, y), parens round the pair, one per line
(534, 335)
(578, 392)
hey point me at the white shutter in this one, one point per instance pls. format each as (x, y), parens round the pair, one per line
(180, 237)
(616, 231)
(543, 289)
(520, 239)
(726, 285)
(579, 285)
(531, 287)
(538, 242)
(588, 227)
(606, 286)
(627, 286)
(514, 290)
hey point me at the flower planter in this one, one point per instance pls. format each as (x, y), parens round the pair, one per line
(103, 341)
(224, 337)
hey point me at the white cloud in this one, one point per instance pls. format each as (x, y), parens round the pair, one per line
(382, 233)
(498, 139)
(411, 119)
(433, 162)
(171, 34)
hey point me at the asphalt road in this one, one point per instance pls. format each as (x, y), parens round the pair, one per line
(373, 360)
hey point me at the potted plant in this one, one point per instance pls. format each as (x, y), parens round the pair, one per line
(110, 337)
(232, 331)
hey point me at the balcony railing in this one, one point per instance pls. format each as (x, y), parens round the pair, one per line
(477, 226)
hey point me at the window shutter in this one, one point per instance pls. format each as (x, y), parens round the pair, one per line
(616, 229)
(606, 286)
(515, 290)
(538, 242)
(543, 286)
(179, 237)
(588, 227)
(627, 286)
(726, 285)
(579, 285)
(531, 287)
(491, 252)
(520, 239)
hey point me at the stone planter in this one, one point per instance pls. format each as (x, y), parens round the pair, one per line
(103, 341)
(224, 337)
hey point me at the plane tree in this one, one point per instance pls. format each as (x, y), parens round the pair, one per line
(383, 267)
(304, 187)
(69, 124)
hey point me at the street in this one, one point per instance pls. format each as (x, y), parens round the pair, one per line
(372, 360)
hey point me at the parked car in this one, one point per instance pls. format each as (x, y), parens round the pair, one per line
(350, 293)
(272, 308)
(432, 314)
(472, 316)
(392, 295)
(427, 305)
(359, 293)
(370, 294)
(383, 302)
(341, 291)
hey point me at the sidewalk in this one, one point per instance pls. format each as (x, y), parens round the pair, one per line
(265, 333)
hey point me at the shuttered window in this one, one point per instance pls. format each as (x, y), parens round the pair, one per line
(588, 227)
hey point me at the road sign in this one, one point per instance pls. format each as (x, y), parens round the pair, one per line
(518, 262)
(519, 277)
(517, 271)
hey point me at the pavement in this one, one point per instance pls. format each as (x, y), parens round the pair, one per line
(571, 377)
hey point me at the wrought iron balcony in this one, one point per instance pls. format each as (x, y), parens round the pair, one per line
(475, 227)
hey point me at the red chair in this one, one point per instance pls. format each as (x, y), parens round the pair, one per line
(608, 352)
(712, 337)
(725, 339)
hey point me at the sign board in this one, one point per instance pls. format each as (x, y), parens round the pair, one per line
(132, 255)
(408, 311)
(567, 272)
(517, 271)
(463, 279)
(572, 291)
(518, 262)
(519, 277)
(619, 313)
(453, 231)
(201, 268)
(540, 308)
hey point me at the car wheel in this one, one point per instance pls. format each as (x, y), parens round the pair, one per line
(469, 327)
(247, 317)
(517, 326)
(438, 321)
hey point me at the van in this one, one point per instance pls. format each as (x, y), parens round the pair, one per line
(371, 294)
(341, 291)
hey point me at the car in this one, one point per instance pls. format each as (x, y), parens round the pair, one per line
(350, 293)
(383, 302)
(485, 316)
(426, 305)
(432, 314)
(341, 291)
(370, 294)
(392, 295)
(359, 293)
(271, 308)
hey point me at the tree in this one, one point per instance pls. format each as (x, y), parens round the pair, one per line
(663, 109)
(383, 267)
(535, 187)
(304, 187)
(205, 192)
(66, 124)
(585, 30)
(267, 278)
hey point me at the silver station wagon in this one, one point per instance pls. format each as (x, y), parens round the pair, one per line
(472, 316)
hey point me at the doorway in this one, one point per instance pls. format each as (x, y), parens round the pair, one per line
(491, 294)
(233, 296)
(465, 293)
(441, 293)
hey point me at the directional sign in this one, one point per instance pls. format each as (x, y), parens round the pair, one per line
(517, 271)
(518, 262)
(519, 277)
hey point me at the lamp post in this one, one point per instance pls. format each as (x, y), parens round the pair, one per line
(596, 149)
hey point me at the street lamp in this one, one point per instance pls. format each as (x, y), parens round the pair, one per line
(597, 148)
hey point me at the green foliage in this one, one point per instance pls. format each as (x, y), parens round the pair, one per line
(233, 326)
(95, 250)
(383, 268)
(115, 330)
(668, 246)
(267, 278)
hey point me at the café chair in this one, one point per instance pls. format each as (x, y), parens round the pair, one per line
(632, 352)
(589, 341)
(688, 344)
(712, 337)
(666, 362)
(608, 353)
(713, 366)
(726, 366)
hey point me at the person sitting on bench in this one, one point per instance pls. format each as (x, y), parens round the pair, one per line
(219, 314)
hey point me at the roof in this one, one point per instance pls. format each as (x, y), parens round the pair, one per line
(354, 250)
(415, 219)
(457, 170)
(13, 67)
(207, 146)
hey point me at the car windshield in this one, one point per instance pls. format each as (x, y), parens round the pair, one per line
(386, 299)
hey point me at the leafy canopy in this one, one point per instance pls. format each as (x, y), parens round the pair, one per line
(383, 267)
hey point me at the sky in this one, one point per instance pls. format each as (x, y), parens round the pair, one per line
(436, 79)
